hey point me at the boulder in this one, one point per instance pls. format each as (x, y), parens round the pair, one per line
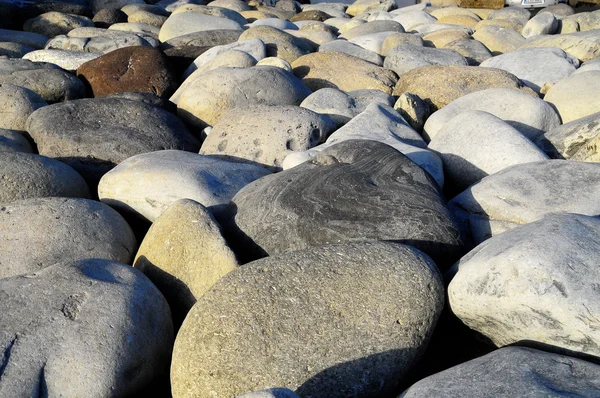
(108, 16)
(100, 42)
(183, 23)
(278, 43)
(51, 24)
(14, 50)
(583, 48)
(576, 140)
(576, 96)
(541, 24)
(354, 50)
(29, 39)
(67, 60)
(11, 140)
(372, 27)
(498, 39)
(17, 104)
(473, 50)
(274, 22)
(406, 57)
(395, 39)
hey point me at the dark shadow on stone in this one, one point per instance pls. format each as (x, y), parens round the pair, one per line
(557, 350)
(522, 127)
(91, 169)
(138, 223)
(548, 147)
(451, 186)
(181, 58)
(317, 84)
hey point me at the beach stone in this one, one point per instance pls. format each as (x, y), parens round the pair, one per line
(411, 19)
(274, 61)
(131, 9)
(17, 104)
(559, 10)
(440, 85)
(567, 26)
(554, 300)
(53, 23)
(346, 47)
(413, 109)
(275, 23)
(94, 230)
(576, 96)
(396, 39)
(508, 13)
(372, 27)
(209, 180)
(342, 71)
(183, 23)
(100, 43)
(453, 11)
(33, 40)
(270, 393)
(143, 28)
(147, 98)
(426, 29)
(235, 5)
(51, 84)
(440, 38)
(541, 24)
(14, 50)
(137, 69)
(67, 60)
(47, 318)
(278, 43)
(253, 15)
(311, 15)
(499, 40)
(12, 140)
(582, 48)
(184, 254)
(526, 193)
(98, 5)
(531, 116)
(362, 6)
(576, 140)
(206, 100)
(213, 11)
(108, 16)
(473, 50)
(462, 20)
(147, 17)
(345, 167)
(393, 291)
(405, 57)
(589, 21)
(475, 144)
(206, 38)
(265, 135)
(69, 132)
(373, 41)
(538, 374)
(25, 176)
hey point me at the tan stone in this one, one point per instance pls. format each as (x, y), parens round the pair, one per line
(580, 47)
(485, 5)
(395, 39)
(279, 43)
(443, 37)
(253, 15)
(362, 6)
(452, 11)
(513, 24)
(499, 40)
(462, 20)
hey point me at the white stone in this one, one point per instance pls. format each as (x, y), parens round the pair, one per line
(67, 60)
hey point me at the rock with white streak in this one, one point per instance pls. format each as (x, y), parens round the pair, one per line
(67, 60)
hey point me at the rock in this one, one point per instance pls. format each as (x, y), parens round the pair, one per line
(274, 61)
(35, 232)
(184, 254)
(346, 47)
(413, 18)
(275, 23)
(342, 71)
(108, 16)
(48, 318)
(206, 38)
(183, 23)
(131, 9)
(102, 43)
(575, 96)
(67, 60)
(366, 171)
(475, 144)
(589, 21)
(406, 57)
(372, 27)
(393, 291)
(554, 299)
(362, 6)
(538, 374)
(372, 42)
(526, 193)
(98, 5)
(235, 5)
(213, 11)
(25, 176)
(208, 180)
(582, 48)
(206, 100)
(11, 140)
(310, 15)
(541, 24)
(396, 39)
(441, 38)
(567, 26)
(265, 135)
(17, 103)
(147, 98)
(426, 29)
(270, 393)
(499, 40)
(508, 13)
(143, 28)
(147, 18)
(413, 110)
(576, 140)
(473, 50)
(53, 23)
(29, 39)
(462, 20)
(453, 11)
(559, 10)
(439, 85)
(278, 43)
(69, 132)
(14, 50)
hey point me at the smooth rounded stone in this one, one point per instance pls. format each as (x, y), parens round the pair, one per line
(67, 60)
(206, 100)
(473, 50)
(511, 24)
(531, 116)
(207, 38)
(14, 50)
(499, 40)
(184, 254)
(278, 43)
(462, 20)
(214, 11)
(265, 135)
(342, 71)
(184, 23)
(508, 13)
(397, 39)
(475, 144)
(275, 23)
(137, 69)
(100, 44)
(583, 48)
(373, 41)
(406, 57)
(315, 26)
(554, 300)
(253, 15)
(108, 16)
(434, 27)
(147, 17)
(559, 10)
(235, 5)
(131, 9)
(411, 19)
(576, 96)
(413, 109)
(512, 371)
(17, 103)
(363, 6)
(147, 98)
(98, 5)
(526, 193)
(25, 176)
(541, 24)
(12, 140)
(254, 47)
(346, 47)
(317, 298)
(274, 61)
(312, 15)
(367, 172)
(69, 132)
(440, 38)
(136, 28)
(40, 232)
(587, 66)
(53, 23)
(337, 10)
(567, 26)
(440, 85)
(270, 393)
(209, 180)
(352, 23)
(576, 140)
(53, 85)
(372, 27)
(89, 328)
(33, 40)
(453, 11)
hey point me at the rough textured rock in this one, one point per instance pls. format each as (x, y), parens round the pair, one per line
(582, 48)
(576, 96)
(342, 71)
(526, 193)
(12, 140)
(513, 371)
(440, 85)
(340, 320)
(405, 57)
(184, 254)
(67, 60)
(338, 197)
(90, 328)
(278, 43)
(473, 50)
(576, 140)
(40, 232)
(103, 43)
(274, 61)
(137, 69)
(208, 180)
(553, 301)
(206, 38)
(147, 17)
(183, 23)
(53, 23)
(413, 110)
(362, 6)
(16, 104)
(69, 132)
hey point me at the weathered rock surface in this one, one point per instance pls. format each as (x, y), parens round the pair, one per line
(405, 57)
(16, 104)
(576, 140)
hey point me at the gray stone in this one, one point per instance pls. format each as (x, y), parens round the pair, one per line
(396, 39)
(526, 193)
(413, 109)
(576, 96)
(142, 28)
(51, 24)
(499, 40)
(541, 24)
(183, 23)
(426, 29)
(279, 43)
(304, 336)
(508, 13)
(374, 41)
(29, 39)
(100, 4)
(67, 60)
(512, 371)
(90, 328)
(108, 16)
(372, 27)
(220, 12)
(536, 282)
(473, 50)
(235, 5)
(265, 135)
(147, 17)
(344, 194)
(100, 44)
(573, 140)
(411, 19)
(270, 393)
(406, 57)
(209, 180)
(274, 23)
(14, 50)
(206, 38)
(40, 232)
(11, 140)
(69, 132)
(559, 10)
(346, 47)
(16, 104)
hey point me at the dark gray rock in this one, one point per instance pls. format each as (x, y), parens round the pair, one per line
(92, 328)
(108, 16)
(11, 140)
(354, 190)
